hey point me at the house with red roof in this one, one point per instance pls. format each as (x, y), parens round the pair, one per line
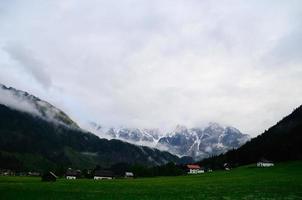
(194, 169)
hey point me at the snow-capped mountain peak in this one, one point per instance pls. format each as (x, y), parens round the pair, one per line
(195, 142)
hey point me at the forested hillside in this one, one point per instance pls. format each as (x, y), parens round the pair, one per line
(28, 142)
(282, 142)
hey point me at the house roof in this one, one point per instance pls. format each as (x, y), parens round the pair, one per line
(193, 166)
(49, 176)
(71, 172)
(226, 165)
(51, 173)
(103, 173)
(263, 160)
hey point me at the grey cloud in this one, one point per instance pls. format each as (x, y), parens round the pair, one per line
(159, 63)
(28, 60)
(288, 50)
(9, 99)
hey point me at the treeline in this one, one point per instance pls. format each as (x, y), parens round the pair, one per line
(9, 162)
(281, 142)
(169, 169)
(119, 169)
(33, 143)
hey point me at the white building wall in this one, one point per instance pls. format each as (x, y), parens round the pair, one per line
(101, 178)
(261, 164)
(196, 171)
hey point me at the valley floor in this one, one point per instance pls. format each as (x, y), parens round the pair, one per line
(284, 181)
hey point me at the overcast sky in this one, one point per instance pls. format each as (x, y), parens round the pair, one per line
(157, 63)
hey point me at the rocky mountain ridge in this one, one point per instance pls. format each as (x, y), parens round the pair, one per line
(195, 142)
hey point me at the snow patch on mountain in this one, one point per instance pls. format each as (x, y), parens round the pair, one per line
(144, 137)
(195, 142)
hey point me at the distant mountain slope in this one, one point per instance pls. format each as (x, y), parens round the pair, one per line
(36, 143)
(281, 142)
(195, 142)
(23, 101)
(35, 135)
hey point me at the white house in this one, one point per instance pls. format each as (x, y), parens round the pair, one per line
(265, 163)
(103, 174)
(129, 175)
(194, 169)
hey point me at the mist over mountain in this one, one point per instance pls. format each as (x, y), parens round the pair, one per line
(34, 135)
(25, 102)
(31, 127)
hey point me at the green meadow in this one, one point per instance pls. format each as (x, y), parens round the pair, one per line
(284, 181)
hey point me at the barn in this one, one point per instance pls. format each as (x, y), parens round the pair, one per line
(103, 174)
(72, 174)
(49, 177)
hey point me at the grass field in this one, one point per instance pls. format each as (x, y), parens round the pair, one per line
(284, 181)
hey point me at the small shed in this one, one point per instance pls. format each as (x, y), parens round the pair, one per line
(129, 175)
(265, 163)
(103, 174)
(227, 166)
(194, 169)
(49, 177)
